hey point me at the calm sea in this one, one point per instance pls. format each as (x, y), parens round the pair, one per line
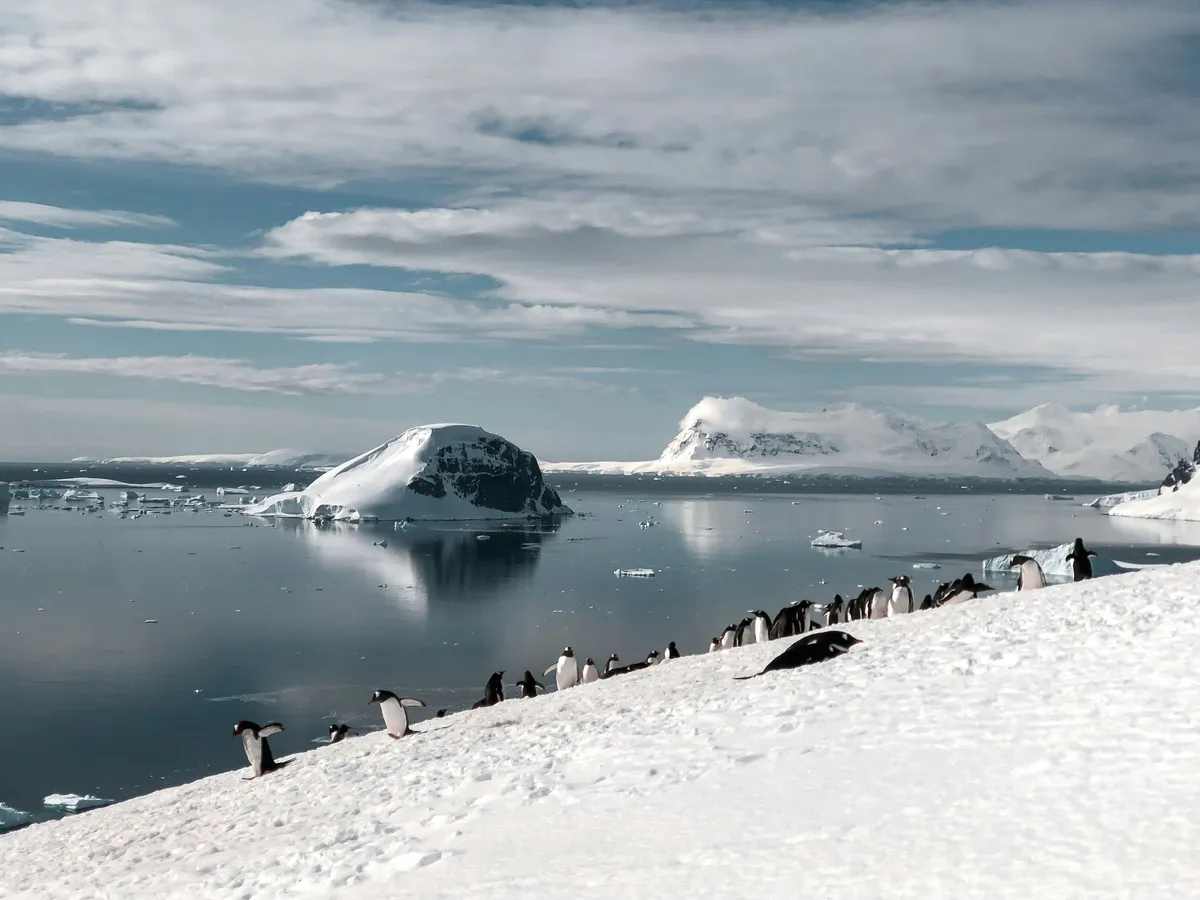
(299, 624)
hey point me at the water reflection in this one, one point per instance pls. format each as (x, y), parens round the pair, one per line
(423, 564)
(1156, 531)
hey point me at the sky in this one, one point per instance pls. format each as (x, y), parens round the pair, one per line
(239, 225)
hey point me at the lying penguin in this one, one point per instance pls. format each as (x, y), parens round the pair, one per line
(814, 648)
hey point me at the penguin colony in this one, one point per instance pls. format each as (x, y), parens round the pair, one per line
(795, 619)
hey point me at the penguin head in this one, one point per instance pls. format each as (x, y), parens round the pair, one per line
(334, 729)
(568, 651)
(241, 726)
(899, 580)
(671, 645)
(381, 695)
(845, 642)
(968, 581)
(588, 662)
(1018, 560)
(837, 598)
(615, 658)
(653, 654)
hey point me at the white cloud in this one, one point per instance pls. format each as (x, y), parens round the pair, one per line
(317, 379)
(61, 217)
(1048, 113)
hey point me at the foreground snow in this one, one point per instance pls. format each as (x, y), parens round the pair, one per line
(1181, 505)
(444, 472)
(1033, 745)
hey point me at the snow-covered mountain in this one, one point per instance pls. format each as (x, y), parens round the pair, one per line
(428, 472)
(1106, 444)
(732, 435)
(291, 459)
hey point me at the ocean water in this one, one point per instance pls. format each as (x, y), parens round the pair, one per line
(298, 623)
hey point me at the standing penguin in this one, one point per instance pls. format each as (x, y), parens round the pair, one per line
(589, 672)
(652, 658)
(493, 691)
(781, 625)
(1081, 565)
(877, 604)
(566, 670)
(715, 645)
(672, 653)
(740, 638)
(762, 627)
(338, 733)
(834, 614)
(901, 600)
(611, 664)
(927, 603)
(1031, 577)
(258, 751)
(395, 714)
(529, 685)
(798, 617)
(728, 636)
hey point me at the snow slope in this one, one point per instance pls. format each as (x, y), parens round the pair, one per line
(732, 435)
(1180, 505)
(1106, 444)
(428, 472)
(1033, 745)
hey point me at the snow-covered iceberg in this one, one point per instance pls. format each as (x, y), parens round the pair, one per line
(1108, 500)
(1054, 562)
(836, 540)
(437, 472)
(1182, 504)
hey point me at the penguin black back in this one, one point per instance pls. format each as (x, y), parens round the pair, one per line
(1080, 558)
(493, 691)
(529, 685)
(813, 648)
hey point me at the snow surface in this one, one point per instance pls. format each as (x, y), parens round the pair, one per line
(1041, 744)
(1106, 444)
(1054, 563)
(382, 483)
(1180, 505)
(734, 436)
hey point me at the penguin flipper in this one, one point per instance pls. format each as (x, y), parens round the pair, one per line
(549, 669)
(408, 701)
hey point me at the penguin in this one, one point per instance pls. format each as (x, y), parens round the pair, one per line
(739, 639)
(780, 625)
(589, 672)
(927, 603)
(652, 658)
(834, 615)
(258, 751)
(611, 664)
(395, 716)
(441, 714)
(529, 685)
(715, 645)
(799, 617)
(671, 653)
(762, 627)
(1031, 577)
(940, 594)
(621, 670)
(338, 733)
(901, 600)
(1081, 565)
(964, 589)
(493, 691)
(808, 650)
(566, 670)
(857, 608)
(877, 604)
(728, 636)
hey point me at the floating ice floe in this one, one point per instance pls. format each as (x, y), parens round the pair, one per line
(1055, 564)
(12, 818)
(836, 540)
(1058, 497)
(75, 802)
(634, 573)
(926, 565)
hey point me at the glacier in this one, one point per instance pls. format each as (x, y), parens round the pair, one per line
(435, 472)
(1044, 742)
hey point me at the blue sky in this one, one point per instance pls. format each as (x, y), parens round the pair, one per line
(240, 225)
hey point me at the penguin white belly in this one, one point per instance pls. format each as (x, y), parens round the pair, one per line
(590, 674)
(900, 602)
(762, 631)
(960, 597)
(1032, 576)
(727, 640)
(567, 673)
(877, 606)
(395, 719)
(253, 748)
(714, 646)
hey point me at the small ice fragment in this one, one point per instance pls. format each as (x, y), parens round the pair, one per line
(150, 622)
(926, 566)
(74, 802)
(634, 573)
(483, 537)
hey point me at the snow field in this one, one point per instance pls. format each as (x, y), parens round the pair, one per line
(1036, 745)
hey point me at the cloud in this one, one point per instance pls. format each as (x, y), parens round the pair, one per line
(317, 379)
(937, 114)
(60, 217)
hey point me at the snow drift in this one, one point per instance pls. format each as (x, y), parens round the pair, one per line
(1032, 745)
(1106, 444)
(732, 435)
(428, 472)
(1182, 504)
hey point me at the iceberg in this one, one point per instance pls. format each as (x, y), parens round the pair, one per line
(1054, 562)
(433, 472)
(12, 818)
(1108, 500)
(75, 802)
(836, 540)
(79, 496)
